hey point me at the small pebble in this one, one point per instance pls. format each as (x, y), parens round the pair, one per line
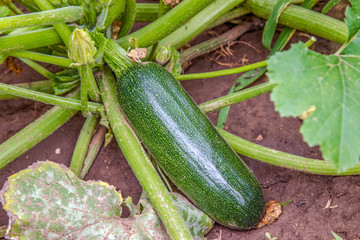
(57, 151)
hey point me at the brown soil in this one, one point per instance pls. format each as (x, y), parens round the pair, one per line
(304, 218)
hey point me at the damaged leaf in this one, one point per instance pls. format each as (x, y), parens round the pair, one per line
(47, 201)
(329, 83)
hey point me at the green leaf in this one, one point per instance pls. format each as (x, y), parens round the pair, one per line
(331, 84)
(47, 201)
(4, 11)
(353, 48)
(352, 19)
(337, 237)
(271, 23)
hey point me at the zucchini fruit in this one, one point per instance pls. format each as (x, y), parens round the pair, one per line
(188, 147)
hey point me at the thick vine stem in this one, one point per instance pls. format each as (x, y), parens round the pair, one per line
(198, 23)
(140, 163)
(166, 24)
(28, 40)
(61, 28)
(303, 19)
(282, 159)
(34, 133)
(44, 86)
(65, 102)
(60, 15)
(237, 97)
(128, 18)
(213, 44)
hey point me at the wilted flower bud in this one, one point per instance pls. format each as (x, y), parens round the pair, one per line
(82, 48)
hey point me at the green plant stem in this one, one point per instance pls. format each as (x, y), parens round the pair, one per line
(114, 55)
(88, 86)
(29, 5)
(236, 13)
(236, 97)
(13, 8)
(128, 18)
(64, 102)
(86, 73)
(198, 23)
(282, 159)
(110, 13)
(61, 28)
(28, 40)
(37, 67)
(140, 163)
(221, 72)
(163, 26)
(93, 150)
(59, 61)
(214, 43)
(34, 133)
(60, 15)
(146, 12)
(163, 8)
(82, 144)
(303, 19)
(39, 86)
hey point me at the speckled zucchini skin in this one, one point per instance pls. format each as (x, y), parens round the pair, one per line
(188, 147)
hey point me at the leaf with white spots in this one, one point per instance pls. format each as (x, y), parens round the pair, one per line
(331, 84)
(47, 201)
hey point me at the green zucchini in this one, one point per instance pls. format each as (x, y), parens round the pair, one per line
(188, 147)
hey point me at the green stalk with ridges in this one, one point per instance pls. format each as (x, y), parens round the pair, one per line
(30, 5)
(163, 8)
(29, 40)
(61, 28)
(34, 133)
(39, 86)
(94, 148)
(82, 144)
(168, 23)
(14, 10)
(140, 163)
(236, 97)
(65, 102)
(283, 159)
(128, 18)
(109, 13)
(146, 12)
(236, 13)
(59, 61)
(198, 23)
(60, 15)
(37, 67)
(214, 43)
(303, 19)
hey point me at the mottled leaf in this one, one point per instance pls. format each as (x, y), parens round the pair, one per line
(331, 84)
(47, 201)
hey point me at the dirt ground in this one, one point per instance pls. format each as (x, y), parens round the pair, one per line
(305, 218)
